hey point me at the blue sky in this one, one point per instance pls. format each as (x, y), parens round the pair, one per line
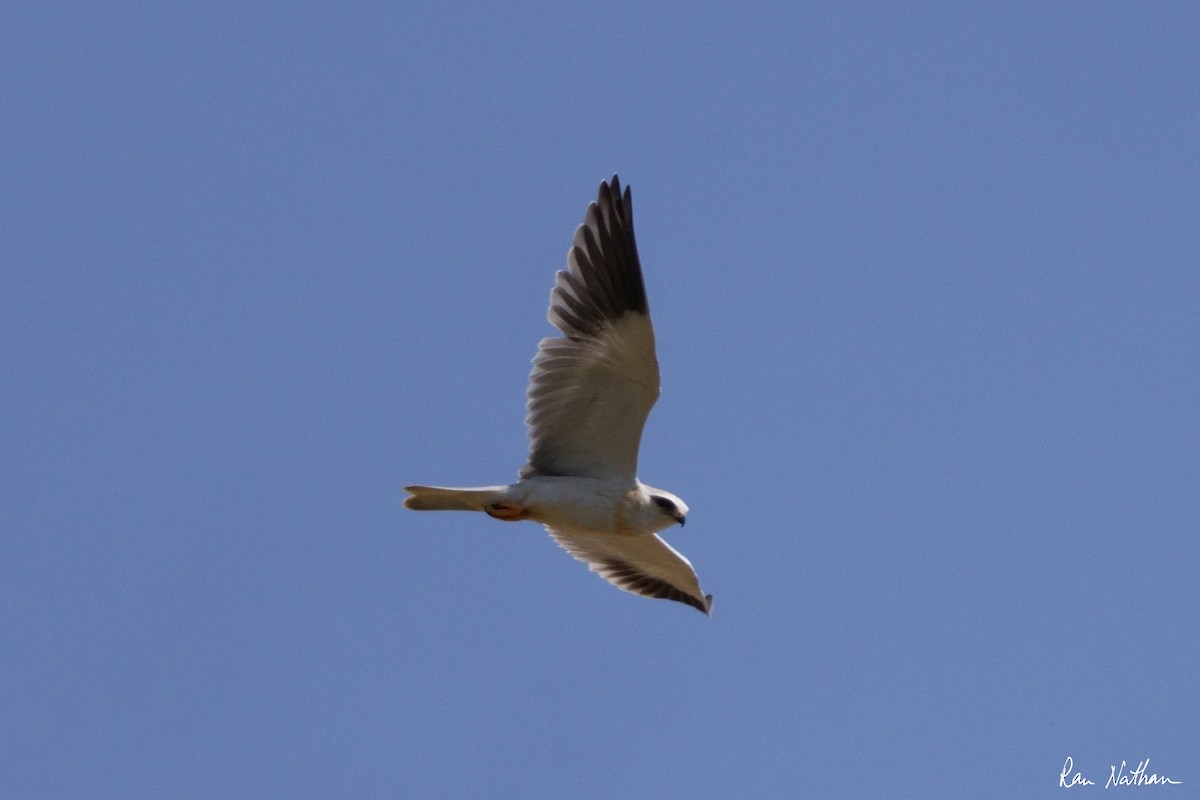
(926, 282)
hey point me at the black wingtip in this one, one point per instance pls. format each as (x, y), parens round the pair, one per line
(603, 280)
(613, 185)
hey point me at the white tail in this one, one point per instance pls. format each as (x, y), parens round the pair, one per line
(444, 498)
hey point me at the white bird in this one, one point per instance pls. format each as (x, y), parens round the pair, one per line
(589, 395)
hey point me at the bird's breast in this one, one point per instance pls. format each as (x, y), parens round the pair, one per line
(578, 503)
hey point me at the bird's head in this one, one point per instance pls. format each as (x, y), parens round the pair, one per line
(669, 505)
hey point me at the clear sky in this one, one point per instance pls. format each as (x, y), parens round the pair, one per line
(926, 282)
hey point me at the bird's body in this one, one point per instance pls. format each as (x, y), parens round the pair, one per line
(560, 502)
(589, 395)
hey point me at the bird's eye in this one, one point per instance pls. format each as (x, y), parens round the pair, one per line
(665, 504)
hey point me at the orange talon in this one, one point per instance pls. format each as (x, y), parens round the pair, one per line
(509, 512)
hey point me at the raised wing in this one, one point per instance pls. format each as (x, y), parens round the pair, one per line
(644, 565)
(591, 391)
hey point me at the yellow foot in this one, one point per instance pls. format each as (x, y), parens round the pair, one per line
(509, 512)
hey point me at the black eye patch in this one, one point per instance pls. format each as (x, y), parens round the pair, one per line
(665, 504)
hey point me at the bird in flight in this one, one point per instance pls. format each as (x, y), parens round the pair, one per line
(589, 395)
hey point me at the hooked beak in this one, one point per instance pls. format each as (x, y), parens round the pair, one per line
(681, 519)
